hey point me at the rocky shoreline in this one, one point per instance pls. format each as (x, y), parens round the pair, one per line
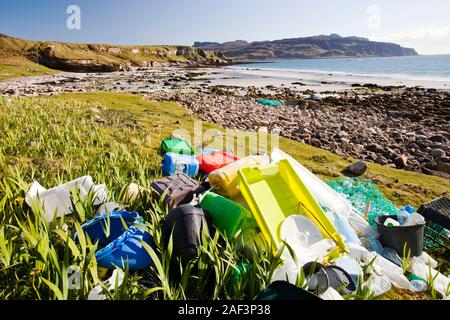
(406, 129)
(401, 127)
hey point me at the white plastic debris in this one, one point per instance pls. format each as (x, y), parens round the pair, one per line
(350, 266)
(299, 232)
(341, 223)
(389, 222)
(331, 294)
(428, 260)
(414, 220)
(97, 292)
(361, 225)
(288, 271)
(291, 269)
(324, 194)
(58, 199)
(378, 284)
(441, 283)
(357, 252)
(384, 267)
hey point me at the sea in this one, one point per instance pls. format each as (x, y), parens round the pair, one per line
(422, 67)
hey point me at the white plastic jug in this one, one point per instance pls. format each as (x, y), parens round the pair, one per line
(389, 222)
(57, 199)
(324, 194)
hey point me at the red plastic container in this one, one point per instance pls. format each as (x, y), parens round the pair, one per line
(214, 161)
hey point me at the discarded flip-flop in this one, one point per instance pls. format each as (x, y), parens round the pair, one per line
(323, 277)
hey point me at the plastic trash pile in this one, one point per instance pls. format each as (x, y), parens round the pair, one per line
(330, 231)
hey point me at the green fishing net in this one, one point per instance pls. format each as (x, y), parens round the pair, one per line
(270, 103)
(359, 192)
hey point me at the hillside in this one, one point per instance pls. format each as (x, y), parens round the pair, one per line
(310, 47)
(99, 57)
(115, 138)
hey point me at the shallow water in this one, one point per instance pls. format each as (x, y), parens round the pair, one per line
(430, 67)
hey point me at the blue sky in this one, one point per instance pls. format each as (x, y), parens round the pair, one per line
(424, 25)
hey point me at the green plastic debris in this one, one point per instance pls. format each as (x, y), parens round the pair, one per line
(175, 146)
(239, 275)
(359, 192)
(436, 237)
(227, 216)
(270, 103)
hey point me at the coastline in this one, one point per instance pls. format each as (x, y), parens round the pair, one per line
(401, 124)
(319, 81)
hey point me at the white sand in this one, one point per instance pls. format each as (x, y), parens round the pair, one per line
(317, 81)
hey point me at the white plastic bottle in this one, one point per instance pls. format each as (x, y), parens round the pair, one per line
(389, 222)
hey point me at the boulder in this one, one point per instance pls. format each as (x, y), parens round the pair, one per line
(438, 138)
(356, 169)
(437, 153)
(401, 161)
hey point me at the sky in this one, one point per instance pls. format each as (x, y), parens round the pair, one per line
(423, 25)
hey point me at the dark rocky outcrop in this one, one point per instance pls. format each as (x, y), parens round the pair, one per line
(308, 47)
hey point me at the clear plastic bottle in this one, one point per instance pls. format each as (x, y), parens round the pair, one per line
(402, 216)
(414, 219)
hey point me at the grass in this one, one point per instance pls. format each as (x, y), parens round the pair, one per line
(115, 138)
(16, 56)
(16, 67)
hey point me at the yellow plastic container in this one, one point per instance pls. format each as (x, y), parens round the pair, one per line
(225, 180)
(274, 192)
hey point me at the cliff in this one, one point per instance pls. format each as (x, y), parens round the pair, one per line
(103, 58)
(310, 47)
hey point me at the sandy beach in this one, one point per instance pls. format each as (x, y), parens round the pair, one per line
(312, 80)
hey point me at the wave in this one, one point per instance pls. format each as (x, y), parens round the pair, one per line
(396, 76)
